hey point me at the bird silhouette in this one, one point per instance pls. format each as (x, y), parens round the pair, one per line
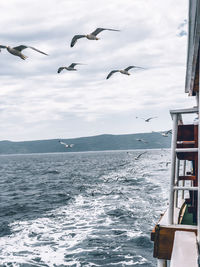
(165, 134)
(66, 145)
(142, 141)
(91, 36)
(138, 156)
(148, 119)
(16, 51)
(124, 71)
(70, 67)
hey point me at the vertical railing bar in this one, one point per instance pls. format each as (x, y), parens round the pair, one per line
(177, 182)
(173, 165)
(183, 182)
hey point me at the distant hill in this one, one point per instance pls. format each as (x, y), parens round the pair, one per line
(91, 143)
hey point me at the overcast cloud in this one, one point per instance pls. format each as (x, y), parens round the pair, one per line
(38, 103)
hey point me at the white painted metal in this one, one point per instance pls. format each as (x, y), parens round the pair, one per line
(173, 166)
(177, 182)
(192, 188)
(186, 149)
(185, 251)
(161, 263)
(183, 182)
(184, 111)
(193, 44)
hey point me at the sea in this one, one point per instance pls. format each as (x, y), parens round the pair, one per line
(81, 209)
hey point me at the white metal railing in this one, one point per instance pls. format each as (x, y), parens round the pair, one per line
(192, 149)
(191, 188)
(175, 165)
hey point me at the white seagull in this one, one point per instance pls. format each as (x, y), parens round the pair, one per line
(66, 145)
(70, 67)
(91, 36)
(165, 134)
(148, 119)
(125, 71)
(138, 156)
(16, 51)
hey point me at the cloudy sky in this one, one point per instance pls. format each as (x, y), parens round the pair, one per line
(37, 103)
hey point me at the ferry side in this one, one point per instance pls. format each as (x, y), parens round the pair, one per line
(176, 235)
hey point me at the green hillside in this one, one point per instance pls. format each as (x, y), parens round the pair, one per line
(92, 143)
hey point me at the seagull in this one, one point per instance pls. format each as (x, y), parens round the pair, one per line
(70, 67)
(125, 71)
(138, 156)
(165, 134)
(142, 140)
(16, 51)
(91, 36)
(148, 119)
(167, 163)
(66, 145)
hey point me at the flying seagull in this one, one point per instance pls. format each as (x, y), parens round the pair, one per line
(125, 71)
(165, 134)
(66, 145)
(148, 119)
(91, 36)
(138, 156)
(142, 140)
(70, 67)
(16, 51)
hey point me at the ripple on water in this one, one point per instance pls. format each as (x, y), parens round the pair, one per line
(89, 209)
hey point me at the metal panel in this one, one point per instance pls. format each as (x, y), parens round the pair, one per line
(193, 44)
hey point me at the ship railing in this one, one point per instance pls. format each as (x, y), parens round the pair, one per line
(175, 165)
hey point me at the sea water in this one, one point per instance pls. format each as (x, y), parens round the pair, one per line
(81, 209)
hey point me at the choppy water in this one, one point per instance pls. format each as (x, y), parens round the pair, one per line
(81, 209)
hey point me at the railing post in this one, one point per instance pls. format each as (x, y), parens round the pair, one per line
(198, 209)
(177, 182)
(173, 167)
(183, 182)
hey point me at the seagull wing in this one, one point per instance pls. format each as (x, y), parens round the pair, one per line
(62, 143)
(111, 73)
(60, 69)
(74, 64)
(2, 46)
(98, 30)
(37, 50)
(151, 118)
(141, 154)
(22, 47)
(75, 38)
(128, 68)
(140, 118)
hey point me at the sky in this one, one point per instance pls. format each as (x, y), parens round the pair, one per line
(38, 103)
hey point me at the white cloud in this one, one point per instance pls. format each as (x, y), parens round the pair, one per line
(33, 95)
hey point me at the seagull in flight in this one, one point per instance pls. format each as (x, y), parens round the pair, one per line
(148, 119)
(16, 51)
(125, 71)
(91, 36)
(70, 67)
(142, 140)
(165, 134)
(66, 145)
(138, 156)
